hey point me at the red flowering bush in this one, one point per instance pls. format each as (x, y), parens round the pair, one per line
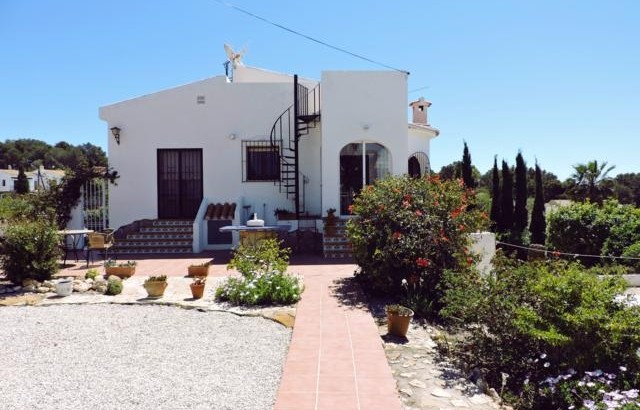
(410, 231)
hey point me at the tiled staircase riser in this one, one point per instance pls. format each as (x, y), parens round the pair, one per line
(161, 236)
(337, 246)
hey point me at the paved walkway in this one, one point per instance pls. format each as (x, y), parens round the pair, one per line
(336, 358)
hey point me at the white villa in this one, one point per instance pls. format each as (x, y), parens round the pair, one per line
(259, 141)
(39, 179)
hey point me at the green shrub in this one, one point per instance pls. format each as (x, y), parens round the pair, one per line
(266, 256)
(32, 206)
(409, 231)
(537, 320)
(114, 287)
(579, 228)
(91, 274)
(592, 229)
(632, 251)
(30, 250)
(277, 288)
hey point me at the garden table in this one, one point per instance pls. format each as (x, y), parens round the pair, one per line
(70, 241)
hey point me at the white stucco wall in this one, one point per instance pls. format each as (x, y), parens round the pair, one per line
(173, 119)
(357, 106)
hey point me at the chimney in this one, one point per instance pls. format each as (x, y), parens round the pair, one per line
(420, 111)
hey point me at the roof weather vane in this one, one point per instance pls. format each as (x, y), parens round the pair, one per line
(234, 58)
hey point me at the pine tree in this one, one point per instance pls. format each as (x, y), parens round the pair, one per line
(505, 224)
(538, 222)
(520, 217)
(495, 196)
(22, 182)
(467, 171)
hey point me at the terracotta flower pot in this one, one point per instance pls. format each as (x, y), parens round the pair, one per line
(123, 272)
(197, 290)
(398, 324)
(198, 271)
(155, 289)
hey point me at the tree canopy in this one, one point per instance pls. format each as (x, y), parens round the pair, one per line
(28, 154)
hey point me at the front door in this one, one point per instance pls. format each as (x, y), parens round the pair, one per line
(179, 183)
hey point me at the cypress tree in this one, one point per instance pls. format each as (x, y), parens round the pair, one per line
(538, 222)
(467, 171)
(22, 182)
(520, 217)
(495, 196)
(505, 224)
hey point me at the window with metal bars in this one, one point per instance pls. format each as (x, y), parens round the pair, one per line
(261, 161)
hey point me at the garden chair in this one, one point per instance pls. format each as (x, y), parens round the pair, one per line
(98, 241)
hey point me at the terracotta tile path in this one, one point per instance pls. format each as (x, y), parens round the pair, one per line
(336, 358)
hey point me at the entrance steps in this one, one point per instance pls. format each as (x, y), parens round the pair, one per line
(337, 245)
(159, 236)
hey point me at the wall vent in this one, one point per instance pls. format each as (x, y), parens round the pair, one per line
(200, 99)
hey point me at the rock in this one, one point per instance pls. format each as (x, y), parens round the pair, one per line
(114, 278)
(430, 344)
(29, 288)
(48, 284)
(2, 290)
(406, 391)
(17, 288)
(81, 287)
(89, 281)
(441, 393)
(100, 288)
(494, 395)
(28, 282)
(417, 383)
(478, 399)
(43, 289)
(99, 281)
(407, 375)
(459, 403)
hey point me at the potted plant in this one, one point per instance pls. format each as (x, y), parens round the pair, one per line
(284, 214)
(64, 287)
(330, 222)
(122, 270)
(155, 286)
(201, 269)
(197, 287)
(398, 319)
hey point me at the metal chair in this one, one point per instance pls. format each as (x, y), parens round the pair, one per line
(97, 241)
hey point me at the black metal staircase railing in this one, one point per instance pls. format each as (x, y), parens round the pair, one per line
(295, 122)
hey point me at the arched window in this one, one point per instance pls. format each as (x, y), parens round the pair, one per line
(361, 163)
(419, 164)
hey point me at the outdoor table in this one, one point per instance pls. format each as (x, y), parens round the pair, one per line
(252, 235)
(70, 241)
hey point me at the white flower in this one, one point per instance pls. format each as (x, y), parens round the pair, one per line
(546, 364)
(404, 282)
(543, 356)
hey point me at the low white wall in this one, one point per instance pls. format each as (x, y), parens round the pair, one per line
(484, 245)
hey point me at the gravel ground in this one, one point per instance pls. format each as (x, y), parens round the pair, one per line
(137, 357)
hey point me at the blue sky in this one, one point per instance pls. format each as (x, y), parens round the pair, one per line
(558, 80)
